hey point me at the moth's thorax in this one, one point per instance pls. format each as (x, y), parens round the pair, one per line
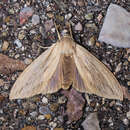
(67, 48)
(67, 45)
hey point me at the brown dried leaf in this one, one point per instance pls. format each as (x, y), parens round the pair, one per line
(8, 65)
(75, 104)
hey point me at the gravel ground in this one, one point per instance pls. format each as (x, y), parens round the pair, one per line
(21, 37)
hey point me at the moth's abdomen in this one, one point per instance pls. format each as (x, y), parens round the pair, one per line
(67, 71)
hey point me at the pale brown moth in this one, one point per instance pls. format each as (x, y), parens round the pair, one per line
(64, 64)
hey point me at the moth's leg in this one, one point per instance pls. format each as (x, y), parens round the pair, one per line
(87, 98)
(57, 31)
(43, 47)
(68, 23)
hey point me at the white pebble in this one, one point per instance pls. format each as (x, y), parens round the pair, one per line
(41, 117)
(128, 115)
(126, 121)
(52, 124)
(44, 100)
(68, 16)
(18, 43)
(35, 19)
(78, 26)
(33, 114)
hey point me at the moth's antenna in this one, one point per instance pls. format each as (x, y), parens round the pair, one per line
(70, 30)
(57, 31)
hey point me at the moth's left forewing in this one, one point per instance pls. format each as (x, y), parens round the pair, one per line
(92, 76)
(43, 75)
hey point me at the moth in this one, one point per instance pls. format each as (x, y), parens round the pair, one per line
(64, 64)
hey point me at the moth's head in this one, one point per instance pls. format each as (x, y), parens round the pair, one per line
(65, 35)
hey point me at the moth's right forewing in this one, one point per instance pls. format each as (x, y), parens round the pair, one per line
(92, 76)
(42, 76)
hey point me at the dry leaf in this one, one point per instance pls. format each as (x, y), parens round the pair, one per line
(64, 64)
(75, 105)
(91, 122)
(8, 65)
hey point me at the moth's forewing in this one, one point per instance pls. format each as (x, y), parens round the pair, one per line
(42, 76)
(92, 76)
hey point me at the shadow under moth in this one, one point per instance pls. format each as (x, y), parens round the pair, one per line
(64, 64)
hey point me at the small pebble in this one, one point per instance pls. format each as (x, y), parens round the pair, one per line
(17, 56)
(21, 35)
(48, 116)
(52, 124)
(78, 27)
(1, 111)
(28, 61)
(99, 17)
(35, 19)
(62, 99)
(6, 86)
(111, 124)
(89, 16)
(18, 43)
(44, 110)
(41, 117)
(25, 13)
(60, 118)
(5, 46)
(81, 3)
(1, 82)
(68, 16)
(98, 44)
(118, 67)
(126, 121)
(128, 83)
(34, 114)
(91, 26)
(91, 41)
(54, 107)
(44, 100)
(128, 115)
(48, 25)
(22, 112)
(50, 15)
